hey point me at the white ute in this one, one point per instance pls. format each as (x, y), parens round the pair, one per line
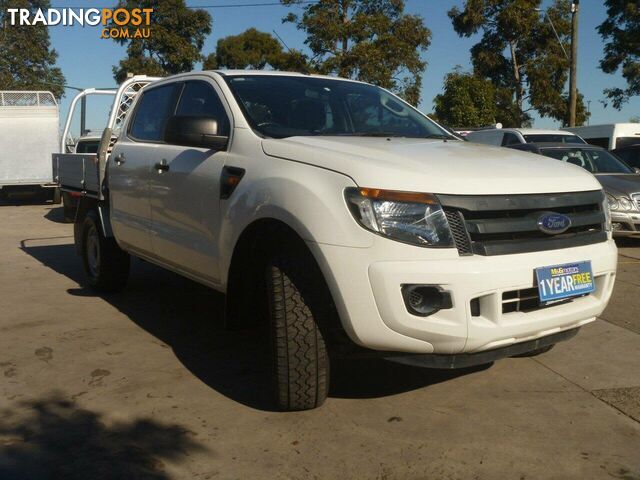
(345, 221)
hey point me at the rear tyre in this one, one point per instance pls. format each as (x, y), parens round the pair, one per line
(536, 352)
(106, 266)
(297, 305)
(56, 196)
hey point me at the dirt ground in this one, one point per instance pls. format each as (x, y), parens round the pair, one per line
(148, 384)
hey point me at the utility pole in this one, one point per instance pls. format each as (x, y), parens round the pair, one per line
(573, 92)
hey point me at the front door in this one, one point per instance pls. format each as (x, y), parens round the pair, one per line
(185, 191)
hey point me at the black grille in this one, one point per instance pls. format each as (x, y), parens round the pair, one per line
(460, 235)
(501, 224)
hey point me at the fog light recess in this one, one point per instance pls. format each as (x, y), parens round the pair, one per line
(425, 300)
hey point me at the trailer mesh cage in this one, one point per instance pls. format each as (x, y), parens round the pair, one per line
(26, 99)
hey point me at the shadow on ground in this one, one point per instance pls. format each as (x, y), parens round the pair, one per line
(627, 242)
(188, 318)
(54, 439)
(56, 215)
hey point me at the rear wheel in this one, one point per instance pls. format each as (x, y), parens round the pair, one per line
(298, 306)
(106, 266)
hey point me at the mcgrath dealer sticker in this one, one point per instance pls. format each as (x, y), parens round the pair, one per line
(564, 281)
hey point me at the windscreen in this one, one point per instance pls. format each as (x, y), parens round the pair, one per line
(283, 106)
(594, 161)
(551, 137)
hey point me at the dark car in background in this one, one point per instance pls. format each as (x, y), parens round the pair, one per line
(620, 182)
(630, 154)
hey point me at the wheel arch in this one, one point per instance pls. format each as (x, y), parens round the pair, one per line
(246, 269)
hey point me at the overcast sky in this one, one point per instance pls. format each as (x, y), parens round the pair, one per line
(86, 60)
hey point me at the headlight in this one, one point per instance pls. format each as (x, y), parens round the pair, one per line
(606, 208)
(415, 218)
(625, 203)
(620, 204)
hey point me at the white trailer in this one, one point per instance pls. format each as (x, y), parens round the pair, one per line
(29, 132)
(609, 136)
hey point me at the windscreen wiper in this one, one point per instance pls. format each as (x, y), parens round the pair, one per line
(369, 134)
(440, 136)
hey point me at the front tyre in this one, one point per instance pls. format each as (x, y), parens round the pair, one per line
(297, 306)
(106, 266)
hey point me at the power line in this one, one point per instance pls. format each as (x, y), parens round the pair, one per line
(265, 4)
(205, 7)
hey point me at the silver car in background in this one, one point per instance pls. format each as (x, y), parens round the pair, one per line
(620, 182)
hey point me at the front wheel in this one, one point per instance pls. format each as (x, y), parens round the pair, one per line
(297, 301)
(106, 266)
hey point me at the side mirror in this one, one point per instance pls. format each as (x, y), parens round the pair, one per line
(195, 132)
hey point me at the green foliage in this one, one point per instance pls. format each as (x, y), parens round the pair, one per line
(369, 40)
(467, 101)
(621, 32)
(27, 61)
(253, 49)
(519, 52)
(176, 39)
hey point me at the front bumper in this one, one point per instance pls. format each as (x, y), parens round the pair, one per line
(626, 224)
(464, 360)
(366, 287)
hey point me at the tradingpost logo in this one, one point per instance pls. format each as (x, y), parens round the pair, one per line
(116, 22)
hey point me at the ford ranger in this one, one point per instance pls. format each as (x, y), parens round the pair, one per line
(346, 221)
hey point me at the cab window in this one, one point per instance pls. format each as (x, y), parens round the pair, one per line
(152, 112)
(199, 99)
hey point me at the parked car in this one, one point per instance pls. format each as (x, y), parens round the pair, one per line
(87, 144)
(609, 136)
(621, 183)
(506, 137)
(630, 155)
(345, 221)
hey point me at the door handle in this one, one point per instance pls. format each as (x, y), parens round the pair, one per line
(162, 166)
(119, 159)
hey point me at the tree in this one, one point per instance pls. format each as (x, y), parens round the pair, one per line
(369, 40)
(535, 70)
(27, 61)
(174, 44)
(467, 101)
(254, 50)
(621, 32)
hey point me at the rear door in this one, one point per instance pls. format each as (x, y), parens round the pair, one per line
(130, 166)
(185, 190)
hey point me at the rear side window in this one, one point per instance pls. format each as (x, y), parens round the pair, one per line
(510, 139)
(625, 141)
(550, 137)
(599, 142)
(199, 99)
(90, 146)
(152, 113)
